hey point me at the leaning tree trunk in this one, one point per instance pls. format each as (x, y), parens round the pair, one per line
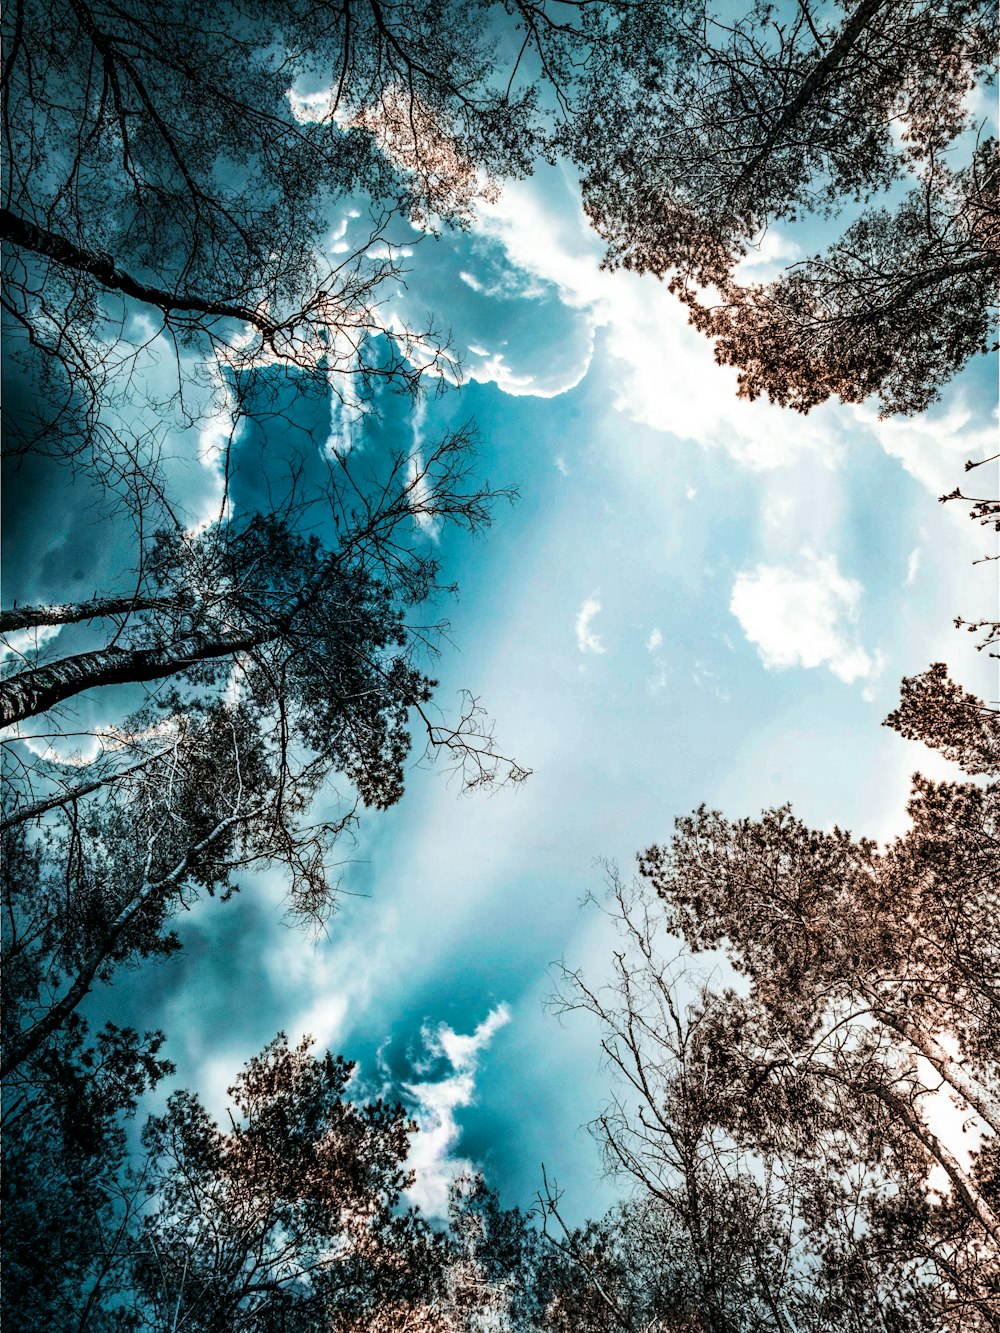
(43, 687)
(34, 691)
(73, 613)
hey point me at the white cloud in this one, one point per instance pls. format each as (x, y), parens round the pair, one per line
(913, 566)
(493, 369)
(933, 447)
(768, 254)
(804, 616)
(586, 640)
(421, 492)
(431, 1155)
(654, 641)
(667, 377)
(25, 643)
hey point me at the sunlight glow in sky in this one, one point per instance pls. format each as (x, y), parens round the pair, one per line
(695, 599)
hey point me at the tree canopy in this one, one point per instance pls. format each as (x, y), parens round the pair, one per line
(781, 1117)
(207, 212)
(716, 128)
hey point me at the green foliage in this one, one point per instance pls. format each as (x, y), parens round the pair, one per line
(69, 1201)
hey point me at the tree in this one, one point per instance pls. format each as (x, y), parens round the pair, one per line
(147, 200)
(713, 129)
(778, 1183)
(290, 666)
(290, 1217)
(782, 1129)
(69, 1204)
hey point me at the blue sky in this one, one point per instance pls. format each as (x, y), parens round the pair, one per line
(694, 599)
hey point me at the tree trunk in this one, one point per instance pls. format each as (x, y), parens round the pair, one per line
(21, 232)
(812, 84)
(35, 691)
(954, 1074)
(31, 692)
(965, 1187)
(72, 613)
(39, 808)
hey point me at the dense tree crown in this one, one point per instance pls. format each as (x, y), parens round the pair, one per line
(783, 1131)
(726, 126)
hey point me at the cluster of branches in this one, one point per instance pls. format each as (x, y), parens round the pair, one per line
(985, 511)
(291, 1217)
(150, 203)
(701, 129)
(785, 1121)
(784, 1129)
(175, 176)
(275, 665)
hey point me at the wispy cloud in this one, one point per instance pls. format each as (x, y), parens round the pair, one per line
(586, 640)
(26, 643)
(804, 616)
(432, 1156)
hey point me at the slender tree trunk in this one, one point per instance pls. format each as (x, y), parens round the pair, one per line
(21, 232)
(35, 691)
(40, 808)
(965, 1084)
(31, 692)
(811, 85)
(72, 613)
(965, 1187)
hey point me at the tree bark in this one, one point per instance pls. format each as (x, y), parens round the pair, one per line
(73, 613)
(35, 691)
(811, 85)
(39, 808)
(31, 692)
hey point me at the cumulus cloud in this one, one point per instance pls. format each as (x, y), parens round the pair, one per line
(436, 1102)
(804, 615)
(667, 377)
(933, 447)
(586, 640)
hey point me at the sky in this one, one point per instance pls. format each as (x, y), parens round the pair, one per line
(694, 599)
